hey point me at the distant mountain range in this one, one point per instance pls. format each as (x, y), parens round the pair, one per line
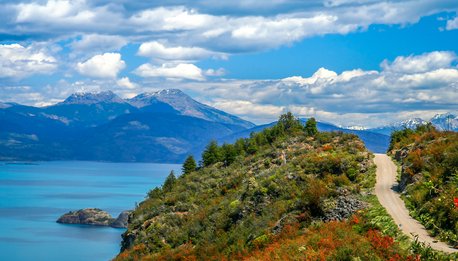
(445, 121)
(152, 127)
(163, 126)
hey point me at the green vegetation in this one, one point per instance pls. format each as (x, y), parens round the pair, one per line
(310, 127)
(189, 165)
(169, 182)
(266, 198)
(429, 177)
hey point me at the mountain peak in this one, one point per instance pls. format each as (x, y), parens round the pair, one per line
(169, 92)
(410, 123)
(445, 121)
(148, 98)
(93, 97)
(185, 105)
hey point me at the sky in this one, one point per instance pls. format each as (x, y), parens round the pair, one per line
(348, 62)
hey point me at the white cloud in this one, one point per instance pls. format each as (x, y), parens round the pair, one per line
(125, 83)
(180, 71)
(354, 97)
(430, 79)
(170, 18)
(17, 61)
(283, 22)
(213, 72)
(452, 24)
(159, 51)
(106, 65)
(97, 42)
(420, 63)
(72, 12)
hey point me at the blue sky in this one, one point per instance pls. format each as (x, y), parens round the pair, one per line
(350, 62)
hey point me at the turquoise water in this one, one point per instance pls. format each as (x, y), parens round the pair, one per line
(32, 197)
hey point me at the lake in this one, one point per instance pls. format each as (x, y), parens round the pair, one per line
(34, 196)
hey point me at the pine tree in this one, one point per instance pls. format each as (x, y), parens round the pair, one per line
(310, 127)
(189, 165)
(169, 182)
(229, 154)
(211, 154)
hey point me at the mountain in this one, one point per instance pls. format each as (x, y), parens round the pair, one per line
(409, 124)
(103, 126)
(187, 106)
(149, 137)
(93, 98)
(446, 121)
(80, 109)
(375, 142)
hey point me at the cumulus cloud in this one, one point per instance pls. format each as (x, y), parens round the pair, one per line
(159, 51)
(70, 12)
(353, 97)
(420, 63)
(106, 65)
(170, 19)
(125, 83)
(179, 72)
(97, 42)
(17, 61)
(452, 24)
(208, 26)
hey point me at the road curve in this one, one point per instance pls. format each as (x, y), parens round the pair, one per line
(392, 202)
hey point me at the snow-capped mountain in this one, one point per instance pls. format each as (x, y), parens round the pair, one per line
(163, 126)
(187, 106)
(353, 127)
(445, 121)
(93, 97)
(409, 124)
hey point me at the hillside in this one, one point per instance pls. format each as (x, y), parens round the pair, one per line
(285, 193)
(429, 178)
(375, 142)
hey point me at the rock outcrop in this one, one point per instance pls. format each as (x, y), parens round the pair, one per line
(121, 221)
(94, 217)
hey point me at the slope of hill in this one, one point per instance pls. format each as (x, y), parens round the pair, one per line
(429, 178)
(375, 142)
(148, 137)
(257, 200)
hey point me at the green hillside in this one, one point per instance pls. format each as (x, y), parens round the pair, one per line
(287, 193)
(429, 177)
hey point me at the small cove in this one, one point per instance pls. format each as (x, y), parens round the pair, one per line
(33, 196)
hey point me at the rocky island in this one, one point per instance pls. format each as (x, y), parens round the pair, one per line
(94, 217)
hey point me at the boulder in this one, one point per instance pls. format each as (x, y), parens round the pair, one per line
(88, 216)
(121, 221)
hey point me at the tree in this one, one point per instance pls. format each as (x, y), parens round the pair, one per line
(211, 154)
(228, 153)
(169, 182)
(189, 165)
(310, 127)
(289, 123)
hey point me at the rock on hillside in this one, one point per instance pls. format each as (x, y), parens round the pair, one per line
(121, 221)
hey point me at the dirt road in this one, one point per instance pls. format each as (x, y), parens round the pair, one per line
(386, 180)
